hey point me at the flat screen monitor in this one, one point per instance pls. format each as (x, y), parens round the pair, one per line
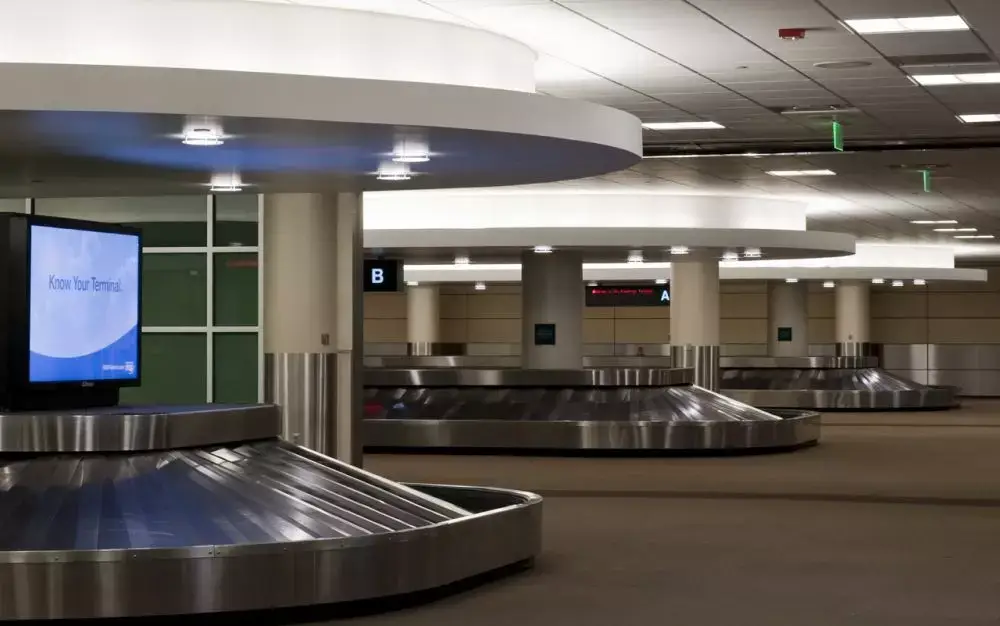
(628, 295)
(83, 305)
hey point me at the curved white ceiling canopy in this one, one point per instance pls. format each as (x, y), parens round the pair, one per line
(237, 36)
(466, 209)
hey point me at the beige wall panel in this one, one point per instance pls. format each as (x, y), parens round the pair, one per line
(822, 304)
(743, 306)
(454, 330)
(964, 305)
(493, 306)
(385, 306)
(598, 312)
(384, 331)
(896, 304)
(599, 331)
(642, 312)
(822, 330)
(454, 306)
(743, 331)
(641, 331)
(899, 330)
(964, 330)
(494, 331)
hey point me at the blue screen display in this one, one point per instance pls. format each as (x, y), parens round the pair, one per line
(84, 305)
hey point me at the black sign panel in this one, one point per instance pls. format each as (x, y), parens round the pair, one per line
(383, 275)
(628, 295)
(784, 333)
(545, 334)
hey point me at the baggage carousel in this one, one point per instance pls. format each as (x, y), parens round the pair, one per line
(828, 383)
(610, 409)
(164, 511)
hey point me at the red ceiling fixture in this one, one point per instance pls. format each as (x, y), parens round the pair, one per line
(792, 34)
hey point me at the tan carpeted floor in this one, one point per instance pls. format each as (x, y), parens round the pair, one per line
(894, 520)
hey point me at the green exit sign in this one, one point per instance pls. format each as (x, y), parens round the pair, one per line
(838, 136)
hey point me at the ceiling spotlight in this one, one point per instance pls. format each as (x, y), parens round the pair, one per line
(794, 173)
(907, 24)
(791, 280)
(203, 132)
(683, 126)
(919, 282)
(752, 253)
(592, 283)
(480, 286)
(390, 170)
(661, 281)
(878, 281)
(679, 250)
(461, 260)
(980, 118)
(226, 183)
(934, 221)
(412, 283)
(634, 258)
(829, 284)
(543, 249)
(955, 230)
(730, 256)
(411, 149)
(897, 283)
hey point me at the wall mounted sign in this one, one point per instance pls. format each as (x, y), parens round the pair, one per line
(628, 295)
(784, 333)
(545, 334)
(383, 275)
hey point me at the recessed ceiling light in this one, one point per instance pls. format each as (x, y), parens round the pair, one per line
(543, 249)
(480, 286)
(592, 283)
(829, 284)
(907, 24)
(661, 281)
(897, 283)
(841, 65)
(730, 256)
(980, 118)
(412, 283)
(682, 125)
(792, 173)
(791, 280)
(752, 253)
(461, 260)
(974, 237)
(934, 221)
(411, 150)
(634, 258)
(919, 282)
(202, 132)
(391, 170)
(226, 183)
(933, 80)
(955, 230)
(679, 250)
(878, 281)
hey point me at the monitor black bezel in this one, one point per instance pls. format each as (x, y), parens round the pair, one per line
(20, 293)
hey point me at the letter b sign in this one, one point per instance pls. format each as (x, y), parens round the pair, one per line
(382, 275)
(378, 276)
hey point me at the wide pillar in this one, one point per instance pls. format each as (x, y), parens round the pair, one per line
(788, 319)
(694, 319)
(313, 315)
(423, 319)
(853, 318)
(552, 302)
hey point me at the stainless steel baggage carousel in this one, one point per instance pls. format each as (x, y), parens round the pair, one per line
(164, 511)
(614, 409)
(827, 383)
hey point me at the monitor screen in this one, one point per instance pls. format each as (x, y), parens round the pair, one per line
(83, 305)
(628, 295)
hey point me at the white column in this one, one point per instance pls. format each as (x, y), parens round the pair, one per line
(552, 297)
(694, 319)
(423, 318)
(311, 259)
(787, 312)
(853, 312)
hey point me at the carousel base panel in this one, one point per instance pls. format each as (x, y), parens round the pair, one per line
(572, 410)
(229, 524)
(828, 384)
